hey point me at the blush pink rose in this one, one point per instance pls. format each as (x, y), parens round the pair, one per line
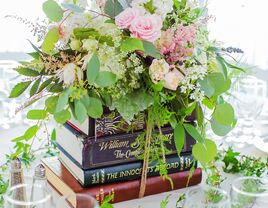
(173, 79)
(125, 18)
(147, 27)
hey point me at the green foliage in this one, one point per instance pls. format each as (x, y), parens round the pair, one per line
(214, 84)
(80, 111)
(165, 202)
(72, 7)
(131, 104)
(27, 72)
(113, 8)
(150, 7)
(51, 104)
(106, 201)
(45, 84)
(52, 10)
(95, 109)
(133, 44)
(19, 89)
(93, 68)
(36, 114)
(105, 79)
(234, 162)
(50, 40)
(29, 134)
(205, 152)
(219, 129)
(194, 133)
(62, 116)
(222, 67)
(179, 136)
(63, 100)
(35, 87)
(150, 50)
(84, 33)
(224, 114)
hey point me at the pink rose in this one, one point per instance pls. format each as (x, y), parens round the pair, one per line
(172, 79)
(125, 18)
(146, 27)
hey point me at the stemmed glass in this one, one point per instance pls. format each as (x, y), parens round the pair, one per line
(248, 97)
(249, 192)
(206, 197)
(77, 201)
(28, 196)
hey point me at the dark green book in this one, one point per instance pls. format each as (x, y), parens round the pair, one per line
(122, 172)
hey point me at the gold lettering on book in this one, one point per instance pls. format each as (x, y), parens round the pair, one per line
(111, 176)
(115, 144)
(95, 178)
(119, 154)
(181, 163)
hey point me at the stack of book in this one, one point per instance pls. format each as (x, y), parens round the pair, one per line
(98, 158)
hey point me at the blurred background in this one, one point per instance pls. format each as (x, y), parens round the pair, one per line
(237, 23)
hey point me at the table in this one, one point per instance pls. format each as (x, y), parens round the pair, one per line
(146, 202)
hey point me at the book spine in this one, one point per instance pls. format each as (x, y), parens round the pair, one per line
(133, 171)
(129, 190)
(118, 149)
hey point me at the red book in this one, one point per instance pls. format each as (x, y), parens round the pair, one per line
(64, 182)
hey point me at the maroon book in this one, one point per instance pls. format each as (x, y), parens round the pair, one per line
(63, 181)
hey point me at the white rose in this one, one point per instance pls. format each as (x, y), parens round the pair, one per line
(90, 44)
(172, 79)
(158, 70)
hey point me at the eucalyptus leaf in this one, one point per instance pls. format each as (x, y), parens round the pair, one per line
(205, 152)
(112, 8)
(179, 136)
(53, 10)
(51, 104)
(224, 114)
(132, 44)
(219, 129)
(50, 40)
(94, 109)
(105, 79)
(93, 68)
(37, 114)
(62, 116)
(80, 111)
(63, 100)
(19, 89)
(73, 7)
(150, 50)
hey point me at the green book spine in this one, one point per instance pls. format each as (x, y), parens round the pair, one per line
(130, 171)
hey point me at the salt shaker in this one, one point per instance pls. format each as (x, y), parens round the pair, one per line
(40, 176)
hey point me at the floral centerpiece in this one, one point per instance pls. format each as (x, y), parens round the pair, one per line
(151, 56)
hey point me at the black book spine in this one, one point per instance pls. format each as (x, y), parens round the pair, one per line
(118, 149)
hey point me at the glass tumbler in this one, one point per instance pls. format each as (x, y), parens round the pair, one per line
(28, 196)
(206, 197)
(249, 192)
(77, 201)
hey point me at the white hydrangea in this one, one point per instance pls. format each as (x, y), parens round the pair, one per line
(162, 7)
(111, 60)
